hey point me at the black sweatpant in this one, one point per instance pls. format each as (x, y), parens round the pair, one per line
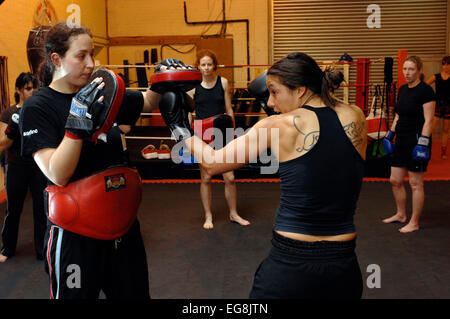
(308, 270)
(19, 178)
(80, 267)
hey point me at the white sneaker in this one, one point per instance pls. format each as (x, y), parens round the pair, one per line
(149, 152)
(164, 152)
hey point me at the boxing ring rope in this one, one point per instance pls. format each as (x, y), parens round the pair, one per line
(362, 84)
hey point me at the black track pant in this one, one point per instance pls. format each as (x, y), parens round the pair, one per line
(20, 178)
(80, 267)
(308, 270)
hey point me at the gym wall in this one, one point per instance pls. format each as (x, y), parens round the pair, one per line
(378, 29)
(166, 25)
(142, 18)
(18, 17)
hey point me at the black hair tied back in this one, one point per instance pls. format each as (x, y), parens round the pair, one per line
(333, 78)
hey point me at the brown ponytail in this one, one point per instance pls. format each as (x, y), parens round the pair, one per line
(299, 69)
(331, 81)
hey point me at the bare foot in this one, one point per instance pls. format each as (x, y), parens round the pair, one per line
(208, 223)
(397, 218)
(408, 228)
(238, 219)
(3, 258)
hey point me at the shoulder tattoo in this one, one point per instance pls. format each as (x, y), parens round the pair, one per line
(355, 132)
(309, 140)
(295, 125)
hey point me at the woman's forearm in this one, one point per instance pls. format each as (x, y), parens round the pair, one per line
(394, 122)
(59, 164)
(216, 161)
(427, 128)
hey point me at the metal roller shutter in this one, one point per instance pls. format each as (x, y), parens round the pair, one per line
(327, 29)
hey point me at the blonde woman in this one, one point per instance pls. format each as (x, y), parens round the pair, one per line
(412, 128)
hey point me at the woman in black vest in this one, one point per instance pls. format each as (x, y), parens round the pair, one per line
(320, 144)
(212, 98)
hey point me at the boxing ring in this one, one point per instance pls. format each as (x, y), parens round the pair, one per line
(357, 88)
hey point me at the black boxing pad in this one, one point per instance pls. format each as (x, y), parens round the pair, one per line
(175, 79)
(258, 88)
(223, 122)
(104, 115)
(35, 47)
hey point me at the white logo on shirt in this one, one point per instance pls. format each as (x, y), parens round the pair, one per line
(30, 132)
(15, 118)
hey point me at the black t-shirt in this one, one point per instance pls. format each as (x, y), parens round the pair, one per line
(13, 152)
(410, 108)
(42, 125)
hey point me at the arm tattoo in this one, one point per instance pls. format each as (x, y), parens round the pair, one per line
(354, 133)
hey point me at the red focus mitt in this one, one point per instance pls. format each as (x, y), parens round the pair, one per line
(174, 75)
(90, 118)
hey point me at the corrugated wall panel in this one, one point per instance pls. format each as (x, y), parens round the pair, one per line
(327, 29)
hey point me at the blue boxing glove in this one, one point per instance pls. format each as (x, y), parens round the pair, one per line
(186, 157)
(388, 146)
(421, 151)
(84, 107)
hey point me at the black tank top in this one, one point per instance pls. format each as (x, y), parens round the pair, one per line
(209, 102)
(320, 189)
(442, 90)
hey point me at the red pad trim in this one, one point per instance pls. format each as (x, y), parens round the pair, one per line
(72, 136)
(115, 107)
(176, 76)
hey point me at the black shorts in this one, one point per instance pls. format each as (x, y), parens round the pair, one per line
(308, 270)
(402, 155)
(80, 267)
(442, 111)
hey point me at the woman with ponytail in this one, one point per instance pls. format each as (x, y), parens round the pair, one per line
(320, 145)
(68, 157)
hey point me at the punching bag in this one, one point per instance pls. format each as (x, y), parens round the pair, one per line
(35, 48)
